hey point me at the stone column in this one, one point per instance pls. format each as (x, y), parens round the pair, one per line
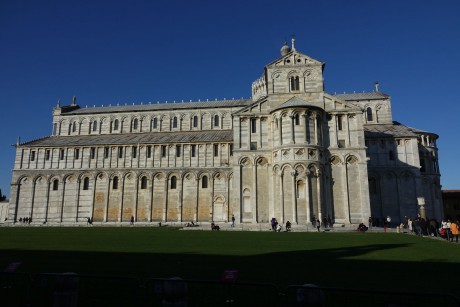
(294, 197)
(280, 130)
(165, 195)
(254, 189)
(197, 197)
(136, 200)
(318, 183)
(151, 197)
(305, 125)
(281, 196)
(107, 193)
(316, 129)
(62, 199)
(307, 195)
(271, 201)
(120, 213)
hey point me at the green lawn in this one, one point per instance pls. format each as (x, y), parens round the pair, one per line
(354, 260)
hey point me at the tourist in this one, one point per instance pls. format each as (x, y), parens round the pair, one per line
(454, 228)
(132, 220)
(233, 220)
(318, 224)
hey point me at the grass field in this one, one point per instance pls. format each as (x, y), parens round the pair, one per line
(354, 260)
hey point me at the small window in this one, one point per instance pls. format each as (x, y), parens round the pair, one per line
(297, 119)
(195, 121)
(216, 150)
(369, 114)
(231, 149)
(295, 84)
(154, 123)
(173, 182)
(253, 146)
(178, 150)
(216, 120)
(174, 123)
(391, 155)
(94, 126)
(32, 155)
(253, 125)
(134, 152)
(163, 151)
(135, 124)
(106, 152)
(55, 184)
(54, 129)
(86, 183)
(93, 152)
(144, 183)
(47, 154)
(116, 124)
(61, 154)
(115, 183)
(193, 150)
(204, 182)
(120, 152)
(74, 127)
(77, 153)
(149, 151)
(339, 122)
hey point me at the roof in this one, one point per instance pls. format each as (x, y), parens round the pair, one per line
(134, 138)
(160, 106)
(362, 96)
(293, 102)
(387, 131)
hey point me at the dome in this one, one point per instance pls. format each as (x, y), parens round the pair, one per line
(285, 49)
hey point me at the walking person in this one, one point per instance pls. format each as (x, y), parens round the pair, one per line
(454, 228)
(131, 222)
(318, 224)
(233, 220)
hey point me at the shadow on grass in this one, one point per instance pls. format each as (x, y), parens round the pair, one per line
(325, 268)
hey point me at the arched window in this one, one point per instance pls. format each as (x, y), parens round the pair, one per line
(174, 123)
(294, 82)
(204, 182)
(154, 123)
(216, 120)
(86, 183)
(74, 127)
(94, 125)
(116, 123)
(195, 121)
(297, 119)
(369, 114)
(135, 124)
(55, 184)
(173, 182)
(115, 183)
(144, 183)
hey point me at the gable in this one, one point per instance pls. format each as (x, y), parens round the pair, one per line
(294, 58)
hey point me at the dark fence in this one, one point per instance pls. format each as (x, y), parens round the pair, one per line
(72, 290)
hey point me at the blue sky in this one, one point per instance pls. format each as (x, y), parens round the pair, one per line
(109, 52)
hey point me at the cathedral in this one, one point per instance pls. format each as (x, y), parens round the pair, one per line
(291, 152)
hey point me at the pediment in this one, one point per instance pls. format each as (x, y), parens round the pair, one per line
(294, 58)
(334, 104)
